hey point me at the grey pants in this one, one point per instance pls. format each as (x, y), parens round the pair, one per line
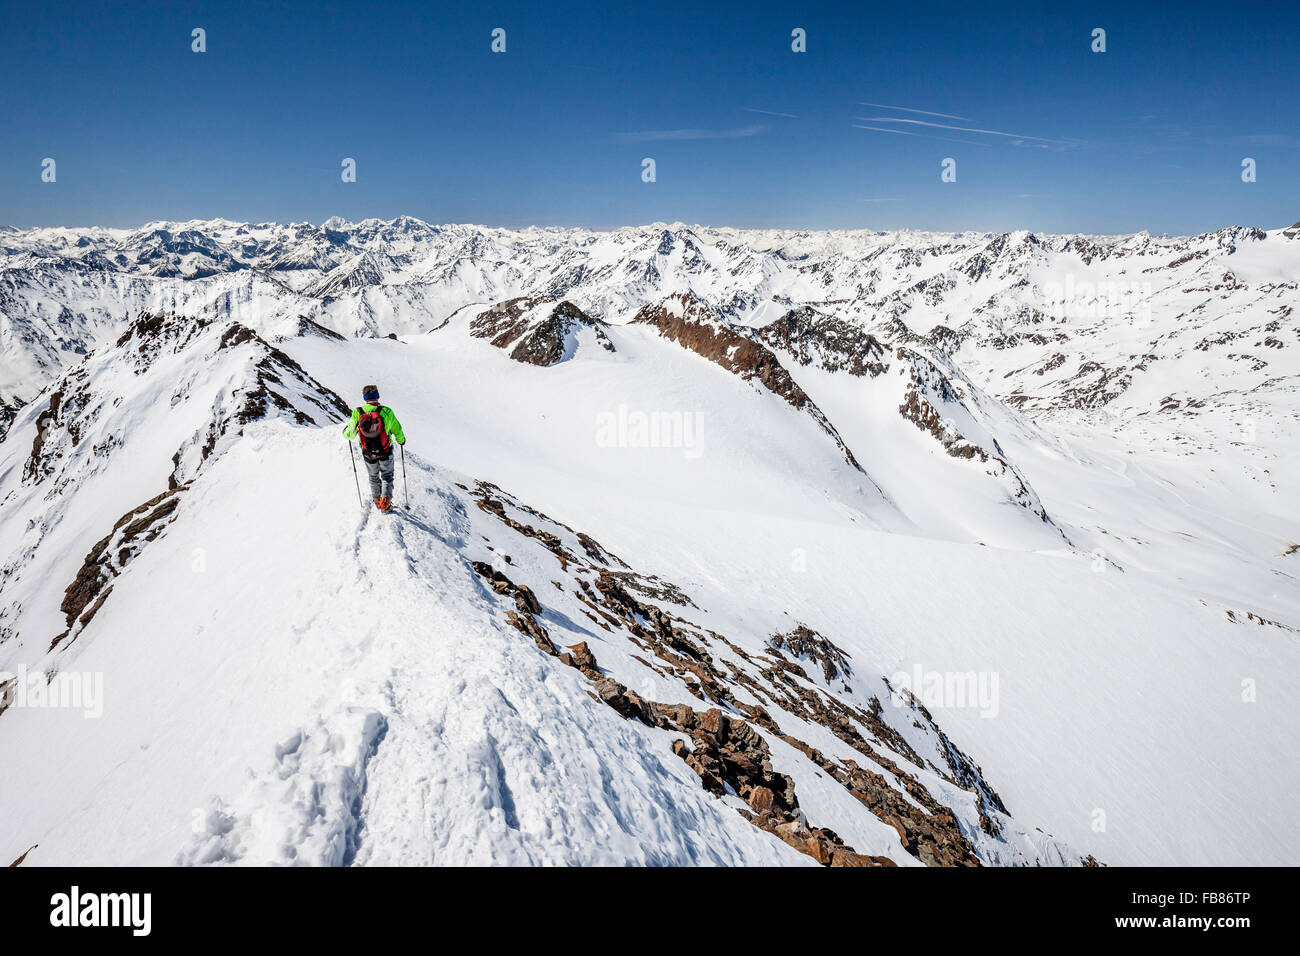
(381, 477)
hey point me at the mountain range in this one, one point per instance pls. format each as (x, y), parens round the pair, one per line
(715, 546)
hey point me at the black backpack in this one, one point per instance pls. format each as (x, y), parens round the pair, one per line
(375, 445)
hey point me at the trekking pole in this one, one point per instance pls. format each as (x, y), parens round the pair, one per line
(353, 455)
(405, 490)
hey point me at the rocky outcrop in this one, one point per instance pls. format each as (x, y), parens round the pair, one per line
(690, 323)
(37, 464)
(1250, 617)
(69, 415)
(535, 334)
(927, 391)
(803, 643)
(729, 757)
(309, 328)
(8, 412)
(503, 323)
(273, 384)
(527, 607)
(725, 738)
(279, 382)
(549, 341)
(813, 338)
(109, 558)
(153, 333)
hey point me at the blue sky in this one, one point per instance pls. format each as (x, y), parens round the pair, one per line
(744, 132)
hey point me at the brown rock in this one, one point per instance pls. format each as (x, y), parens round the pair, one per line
(714, 722)
(682, 717)
(583, 659)
(843, 857)
(527, 600)
(610, 691)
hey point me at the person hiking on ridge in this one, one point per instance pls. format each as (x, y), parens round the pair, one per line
(376, 428)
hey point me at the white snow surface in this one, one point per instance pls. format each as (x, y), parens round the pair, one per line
(290, 680)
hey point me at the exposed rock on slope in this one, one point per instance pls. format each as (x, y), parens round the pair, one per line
(930, 401)
(273, 384)
(109, 558)
(832, 344)
(749, 694)
(690, 323)
(540, 332)
(115, 426)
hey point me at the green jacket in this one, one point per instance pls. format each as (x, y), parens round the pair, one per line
(391, 424)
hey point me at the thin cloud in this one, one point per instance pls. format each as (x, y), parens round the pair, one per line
(751, 109)
(960, 129)
(880, 129)
(653, 135)
(900, 132)
(908, 109)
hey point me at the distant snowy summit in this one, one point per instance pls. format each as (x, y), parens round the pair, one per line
(1040, 321)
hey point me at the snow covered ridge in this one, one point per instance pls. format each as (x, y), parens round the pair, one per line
(776, 730)
(895, 547)
(170, 393)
